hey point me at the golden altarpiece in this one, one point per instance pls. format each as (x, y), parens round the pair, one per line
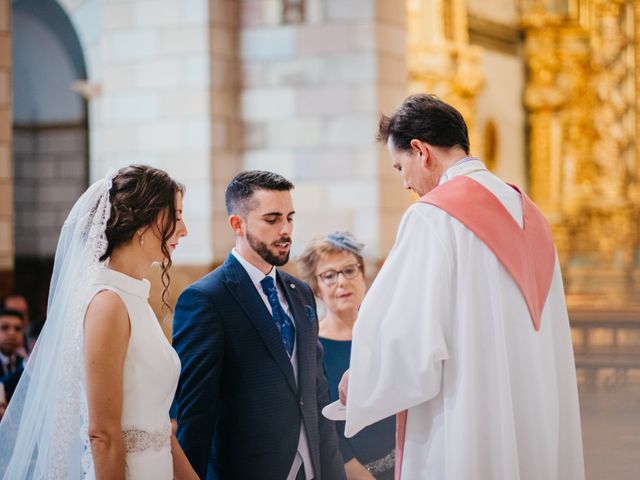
(582, 110)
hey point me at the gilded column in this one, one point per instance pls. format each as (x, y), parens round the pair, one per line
(543, 97)
(440, 59)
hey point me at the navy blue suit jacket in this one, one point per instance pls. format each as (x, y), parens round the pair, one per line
(239, 408)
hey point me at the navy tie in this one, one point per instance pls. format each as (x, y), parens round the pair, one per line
(283, 322)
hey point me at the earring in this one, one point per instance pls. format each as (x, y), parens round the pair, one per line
(141, 240)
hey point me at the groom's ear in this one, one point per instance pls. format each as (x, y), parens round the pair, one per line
(236, 222)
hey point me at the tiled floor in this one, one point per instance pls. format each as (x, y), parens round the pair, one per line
(611, 428)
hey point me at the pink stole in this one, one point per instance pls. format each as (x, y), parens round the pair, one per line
(527, 253)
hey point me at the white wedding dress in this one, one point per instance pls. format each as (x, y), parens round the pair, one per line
(151, 371)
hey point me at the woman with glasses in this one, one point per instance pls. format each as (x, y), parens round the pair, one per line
(334, 267)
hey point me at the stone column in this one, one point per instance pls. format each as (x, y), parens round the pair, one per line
(6, 164)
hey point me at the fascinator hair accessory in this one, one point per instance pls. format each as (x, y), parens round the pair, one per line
(345, 241)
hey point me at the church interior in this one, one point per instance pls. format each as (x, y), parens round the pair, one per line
(207, 88)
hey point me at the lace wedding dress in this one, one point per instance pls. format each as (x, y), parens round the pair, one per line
(151, 371)
(43, 433)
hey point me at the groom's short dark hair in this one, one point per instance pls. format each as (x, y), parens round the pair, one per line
(240, 190)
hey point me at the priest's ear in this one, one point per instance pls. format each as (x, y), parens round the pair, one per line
(421, 150)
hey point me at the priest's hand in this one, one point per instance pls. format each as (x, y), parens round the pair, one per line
(343, 386)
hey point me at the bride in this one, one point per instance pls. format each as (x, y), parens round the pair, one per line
(93, 402)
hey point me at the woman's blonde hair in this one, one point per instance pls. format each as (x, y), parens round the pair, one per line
(324, 246)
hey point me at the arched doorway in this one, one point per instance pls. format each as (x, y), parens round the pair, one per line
(49, 138)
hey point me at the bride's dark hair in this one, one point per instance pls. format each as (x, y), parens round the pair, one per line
(139, 195)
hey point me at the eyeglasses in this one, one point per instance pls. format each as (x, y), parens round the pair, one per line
(330, 277)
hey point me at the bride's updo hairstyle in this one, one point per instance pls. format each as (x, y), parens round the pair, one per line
(139, 196)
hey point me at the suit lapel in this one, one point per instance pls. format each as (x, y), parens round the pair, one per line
(244, 292)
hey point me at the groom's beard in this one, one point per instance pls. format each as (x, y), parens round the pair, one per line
(268, 255)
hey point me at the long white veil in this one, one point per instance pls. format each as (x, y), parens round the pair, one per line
(43, 434)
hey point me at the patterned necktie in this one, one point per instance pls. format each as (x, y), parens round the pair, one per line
(283, 322)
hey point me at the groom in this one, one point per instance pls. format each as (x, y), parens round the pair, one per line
(252, 385)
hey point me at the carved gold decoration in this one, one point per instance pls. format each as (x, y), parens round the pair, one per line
(440, 59)
(584, 160)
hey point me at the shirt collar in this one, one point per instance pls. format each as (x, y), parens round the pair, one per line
(4, 359)
(463, 166)
(255, 274)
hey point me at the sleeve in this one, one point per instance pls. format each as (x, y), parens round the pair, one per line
(399, 344)
(331, 462)
(198, 338)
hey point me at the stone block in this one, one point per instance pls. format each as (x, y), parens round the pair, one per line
(197, 134)
(224, 42)
(5, 87)
(268, 103)
(117, 15)
(119, 77)
(324, 39)
(5, 50)
(271, 14)
(325, 164)
(160, 136)
(351, 68)
(196, 12)
(157, 13)
(6, 171)
(325, 100)
(60, 141)
(6, 235)
(392, 11)
(392, 70)
(192, 39)
(196, 70)
(309, 196)
(260, 44)
(5, 125)
(299, 132)
(5, 15)
(254, 135)
(166, 73)
(299, 71)
(351, 195)
(132, 108)
(351, 130)
(118, 139)
(225, 12)
(365, 99)
(183, 103)
(224, 103)
(225, 73)
(279, 161)
(6, 199)
(253, 74)
(391, 39)
(24, 194)
(250, 13)
(73, 167)
(132, 45)
(341, 10)
(225, 165)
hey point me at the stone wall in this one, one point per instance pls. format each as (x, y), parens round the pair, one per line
(312, 94)
(148, 89)
(6, 170)
(50, 175)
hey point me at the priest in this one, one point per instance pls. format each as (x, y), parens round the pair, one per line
(464, 334)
